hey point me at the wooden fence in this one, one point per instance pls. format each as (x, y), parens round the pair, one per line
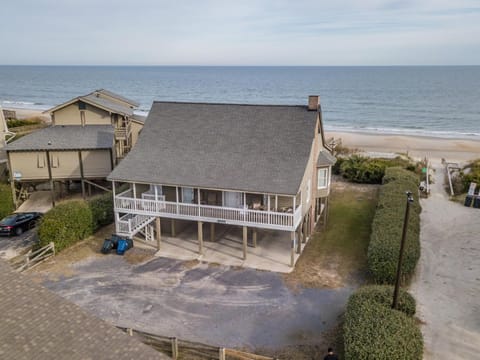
(33, 258)
(183, 349)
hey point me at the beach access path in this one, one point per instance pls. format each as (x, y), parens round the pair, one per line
(447, 281)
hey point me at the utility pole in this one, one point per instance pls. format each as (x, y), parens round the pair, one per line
(402, 247)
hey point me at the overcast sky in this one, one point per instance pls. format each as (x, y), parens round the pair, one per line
(244, 32)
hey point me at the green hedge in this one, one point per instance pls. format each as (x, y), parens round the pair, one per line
(6, 200)
(387, 228)
(102, 210)
(66, 224)
(372, 330)
(366, 170)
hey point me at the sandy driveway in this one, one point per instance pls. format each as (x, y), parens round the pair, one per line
(447, 285)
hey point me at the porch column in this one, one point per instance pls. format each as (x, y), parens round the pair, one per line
(299, 244)
(292, 249)
(245, 239)
(158, 230)
(200, 237)
(212, 232)
(325, 212)
(254, 237)
(172, 227)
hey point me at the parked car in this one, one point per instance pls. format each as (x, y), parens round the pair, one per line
(17, 223)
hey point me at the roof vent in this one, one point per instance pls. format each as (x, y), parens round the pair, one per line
(313, 102)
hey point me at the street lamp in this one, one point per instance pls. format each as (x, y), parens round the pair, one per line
(402, 246)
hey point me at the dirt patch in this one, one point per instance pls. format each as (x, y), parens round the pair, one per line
(60, 265)
(139, 255)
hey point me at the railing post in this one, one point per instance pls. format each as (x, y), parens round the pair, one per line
(221, 354)
(174, 348)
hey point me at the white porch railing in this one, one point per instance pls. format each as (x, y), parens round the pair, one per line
(238, 216)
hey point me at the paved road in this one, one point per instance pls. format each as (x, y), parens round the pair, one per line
(217, 305)
(447, 285)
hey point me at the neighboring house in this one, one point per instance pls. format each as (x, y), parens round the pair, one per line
(5, 136)
(87, 138)
(255, 166)
(102, 107)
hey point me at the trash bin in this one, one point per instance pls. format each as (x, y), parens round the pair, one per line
(123, 245)
(476, 202)
(107, 246)
(468, 201)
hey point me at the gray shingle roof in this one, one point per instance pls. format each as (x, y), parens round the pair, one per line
(325, 158)
(113, 106)
(119, 97)
(72, 137)
(38, 324)
(258, 148)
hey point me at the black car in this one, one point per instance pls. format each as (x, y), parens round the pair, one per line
(17, 223)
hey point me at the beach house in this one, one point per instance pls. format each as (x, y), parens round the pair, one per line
(88, 136)
(247, 166)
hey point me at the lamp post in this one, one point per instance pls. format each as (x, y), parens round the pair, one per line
(402, 246)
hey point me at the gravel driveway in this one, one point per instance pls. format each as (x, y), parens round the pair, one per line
(217, 305)
(447, 285)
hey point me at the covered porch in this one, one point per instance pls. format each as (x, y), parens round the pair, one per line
(141, 203)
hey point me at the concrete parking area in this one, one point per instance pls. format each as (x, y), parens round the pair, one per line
(267, 249)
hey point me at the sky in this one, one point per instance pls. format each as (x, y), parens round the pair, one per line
(248, 32)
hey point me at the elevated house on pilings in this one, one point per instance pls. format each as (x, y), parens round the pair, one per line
(252, 166)
(88, 136)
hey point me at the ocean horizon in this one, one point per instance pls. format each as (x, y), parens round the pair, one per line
(440, 101)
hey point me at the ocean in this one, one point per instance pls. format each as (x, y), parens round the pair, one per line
(419, 100)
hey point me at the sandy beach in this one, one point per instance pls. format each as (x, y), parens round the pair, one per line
(435, 148)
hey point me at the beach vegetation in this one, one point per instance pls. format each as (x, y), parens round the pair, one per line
(361, 169)
(373, 330)
(6, 200)
(13, 123)
(469, 174)
(387, 226)
(66, 224)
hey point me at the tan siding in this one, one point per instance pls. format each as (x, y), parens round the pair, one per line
(69, 115)
(96, 116)
(96, 163)
(32, 165)
(136, 128)
(65, 164)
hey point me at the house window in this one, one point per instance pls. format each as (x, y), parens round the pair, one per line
(40, 161)
(309, 190)
(322, 178)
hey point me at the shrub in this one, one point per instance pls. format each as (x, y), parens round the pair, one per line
(362, 169)
(372, 330)
(66, 224)
(387, 227)
(471, 175)
(102, 210)
(6, 200)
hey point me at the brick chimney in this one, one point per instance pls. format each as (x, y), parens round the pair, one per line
(313, 102)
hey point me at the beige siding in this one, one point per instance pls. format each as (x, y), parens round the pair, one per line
(65, 164)
(32, 165)
(69, 115)
(136, 128)
(96, 116)
(96, 163)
